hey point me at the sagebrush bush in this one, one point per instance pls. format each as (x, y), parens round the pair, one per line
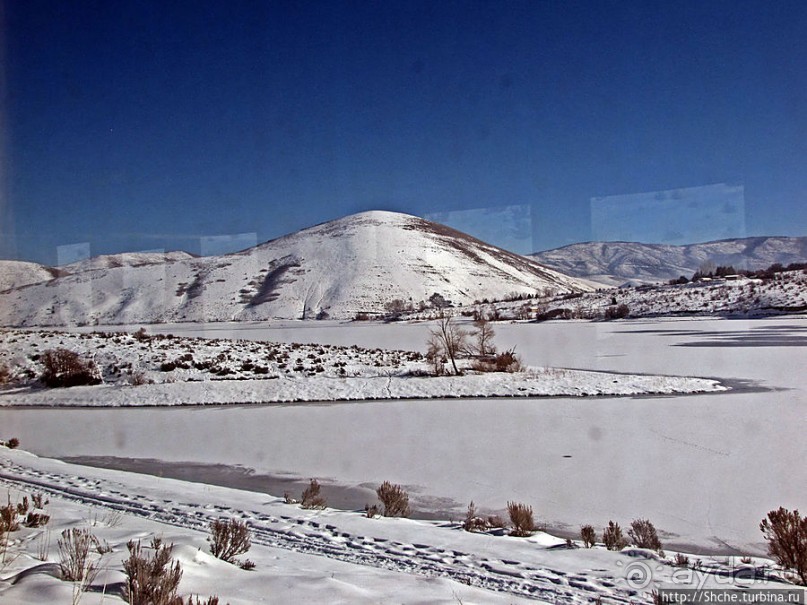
(395, 500)
(472, 521)
(198, 601)
(75, 562)
(508, 361)
(312, 497)
(228, 539)
(588, 536)
(681, 560)
(521, 518)
(643, 533)
(617, 311)
(786, 534)
(65, 368)
(8, 518)
(5, 374)
(613, 538)
(152, 579)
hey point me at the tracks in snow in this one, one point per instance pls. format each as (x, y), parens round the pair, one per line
(327, 540)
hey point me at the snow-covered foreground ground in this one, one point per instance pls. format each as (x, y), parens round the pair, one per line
(318, 556)
(704, 468)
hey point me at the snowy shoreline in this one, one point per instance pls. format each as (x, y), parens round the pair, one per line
(532, 384)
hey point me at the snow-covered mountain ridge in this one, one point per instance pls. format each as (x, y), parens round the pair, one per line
(357, 264)
(617, 263)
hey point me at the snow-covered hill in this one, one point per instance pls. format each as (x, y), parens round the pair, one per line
(617, 263)
(359, 263)
(16, 274)
(129, 259)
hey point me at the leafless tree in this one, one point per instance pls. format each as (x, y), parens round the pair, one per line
(448, 339)
(484, 337)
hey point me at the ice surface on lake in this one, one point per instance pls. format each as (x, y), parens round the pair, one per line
(704, 468)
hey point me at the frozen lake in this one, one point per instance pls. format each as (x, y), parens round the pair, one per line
(705, 469)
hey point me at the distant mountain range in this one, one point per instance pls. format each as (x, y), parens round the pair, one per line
(619, 263)
(358, 264)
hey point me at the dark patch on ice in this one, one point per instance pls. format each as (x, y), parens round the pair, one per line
(777, 335)
(344, 497)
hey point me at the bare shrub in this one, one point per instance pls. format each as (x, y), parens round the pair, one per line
(138, 378)
(152, 579)
(508, 361)
(228, 539)
(198, 600)
(13, 443)
(312, 497)
(372, 511)
(643, 533)
(65, 368)
(8, 517)
(521, 519)
(140, 334)
(786, 534)
(434, 356)
(448, 339)
(617, 311)
(395, 500)
(613, 538)
(474, 522)
(75, 562)
(34, 519)
(588, 536)
(681, 560)
(5, 374)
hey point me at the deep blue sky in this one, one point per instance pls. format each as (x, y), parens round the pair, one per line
(143, 125)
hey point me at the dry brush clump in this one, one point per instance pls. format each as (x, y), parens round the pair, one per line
(479, 523)
(66, 368)
(588, 536)
(643, 533)
(613, 538)
(152, 579)
(312, 497)
(198, 600)
(395, 500)
(77, 560)
(521, 518)
(786, 534)
(228, 539)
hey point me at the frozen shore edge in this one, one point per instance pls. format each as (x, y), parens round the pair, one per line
(534, 383)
